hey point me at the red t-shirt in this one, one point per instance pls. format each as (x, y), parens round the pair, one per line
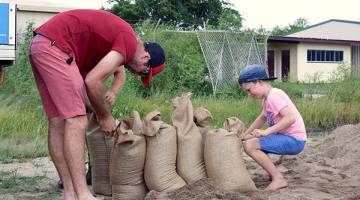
(88, 35)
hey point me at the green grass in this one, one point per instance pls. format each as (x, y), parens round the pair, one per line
(23, 132)
(23, 126)
(13, 186)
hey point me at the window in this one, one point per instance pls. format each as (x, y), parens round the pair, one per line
(324, 55)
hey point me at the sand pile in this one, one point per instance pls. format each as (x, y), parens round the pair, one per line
(330, 170)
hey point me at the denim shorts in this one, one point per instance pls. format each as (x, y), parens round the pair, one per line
(281, 144)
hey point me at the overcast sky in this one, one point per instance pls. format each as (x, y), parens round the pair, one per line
(268, 13)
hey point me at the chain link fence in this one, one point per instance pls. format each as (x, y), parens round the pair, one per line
(226, 53)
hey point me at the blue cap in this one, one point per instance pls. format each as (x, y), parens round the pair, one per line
(252, 73)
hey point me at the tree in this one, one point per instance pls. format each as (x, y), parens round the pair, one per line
(298, 25)
(126, 10)
(230, 19)
(185, 14)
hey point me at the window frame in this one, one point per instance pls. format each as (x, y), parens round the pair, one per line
(324, 56)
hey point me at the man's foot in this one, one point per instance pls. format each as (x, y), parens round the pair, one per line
(277, 184)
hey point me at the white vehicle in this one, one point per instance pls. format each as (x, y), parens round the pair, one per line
(7, 37)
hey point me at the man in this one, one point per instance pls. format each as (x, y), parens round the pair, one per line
(73, 54)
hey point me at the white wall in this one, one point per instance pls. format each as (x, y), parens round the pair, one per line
(322, 71)
(36, 14)
(300, 69)
(277, 48)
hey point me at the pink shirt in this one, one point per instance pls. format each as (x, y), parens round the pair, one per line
(273, 103)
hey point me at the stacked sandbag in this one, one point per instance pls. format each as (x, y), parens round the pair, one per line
(202, 119)
(224, 159)
(160, 165)
(190, 154)
(99, 147)
(128, 159)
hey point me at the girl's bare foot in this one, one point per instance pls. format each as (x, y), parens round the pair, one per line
(276, 184)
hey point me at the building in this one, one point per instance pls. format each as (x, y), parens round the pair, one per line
(316, 52)
(15, 17)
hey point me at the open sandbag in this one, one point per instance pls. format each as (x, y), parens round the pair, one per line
(202, 119)
(99, 147)
(224, 161)
(128, 159)
(160, 165)
(190, 154)
(234, 124)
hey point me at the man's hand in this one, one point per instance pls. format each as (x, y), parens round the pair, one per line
(110, 97)
(108, 125)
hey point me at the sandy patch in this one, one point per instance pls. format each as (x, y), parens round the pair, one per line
(329, 170)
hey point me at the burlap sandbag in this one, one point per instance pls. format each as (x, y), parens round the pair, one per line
(202, 119)
(190, 154)
(234, 124)
(128, 159)
(99, 147)
(160, 171)
(224, 161)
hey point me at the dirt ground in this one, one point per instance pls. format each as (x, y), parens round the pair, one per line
(326, 170)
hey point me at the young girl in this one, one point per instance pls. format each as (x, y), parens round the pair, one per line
(286, 134)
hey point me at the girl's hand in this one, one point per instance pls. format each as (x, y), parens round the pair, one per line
(244, 137)
(258, 133)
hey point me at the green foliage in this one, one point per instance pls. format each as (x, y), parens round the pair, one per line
(183, 14)
(230, 19)
(20, 77)
(22, 128)
(291, 89)
(185, 66)
(345, 87)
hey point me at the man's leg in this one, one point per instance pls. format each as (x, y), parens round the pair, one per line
(252, 148)
(56, 150)
(74, 149)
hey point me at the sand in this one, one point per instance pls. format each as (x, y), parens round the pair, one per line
(329, 170)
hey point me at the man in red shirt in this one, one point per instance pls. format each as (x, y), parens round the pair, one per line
(72, 55)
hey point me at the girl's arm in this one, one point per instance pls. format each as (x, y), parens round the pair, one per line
(287, 118)
(258, 123)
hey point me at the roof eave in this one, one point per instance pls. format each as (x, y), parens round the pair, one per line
(281, 39)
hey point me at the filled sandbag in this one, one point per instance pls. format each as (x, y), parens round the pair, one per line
(99, 147)
(234, 124)
(202, 119)
(190, 153)
(128, 159)
(160, 165)
(224, 161)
